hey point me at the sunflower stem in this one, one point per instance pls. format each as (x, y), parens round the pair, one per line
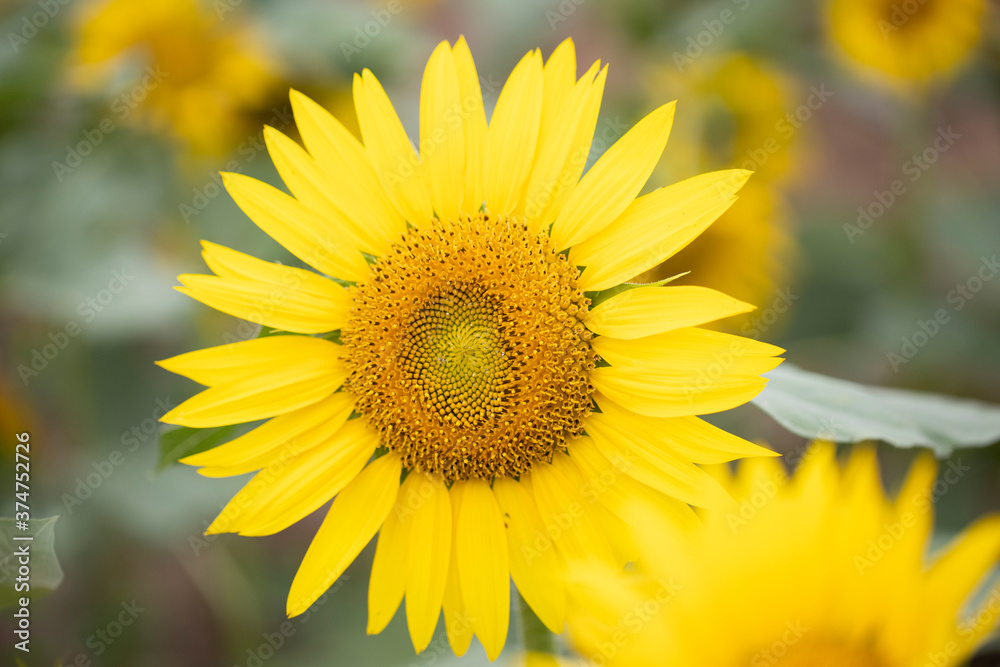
(536, 637)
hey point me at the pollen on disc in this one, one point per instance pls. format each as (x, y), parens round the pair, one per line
(467, 349)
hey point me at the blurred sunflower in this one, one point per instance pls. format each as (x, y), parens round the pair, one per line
(819, 570)
(738, 117)
(913, 40)
(446, 409)
(193, 76)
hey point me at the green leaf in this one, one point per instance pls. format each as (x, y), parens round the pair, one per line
(46, 574)
(817, 406)
(176, 443)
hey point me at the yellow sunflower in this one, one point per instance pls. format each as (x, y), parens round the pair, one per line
(910, 40)
(199, 78)
(448, 353)
(818, 570)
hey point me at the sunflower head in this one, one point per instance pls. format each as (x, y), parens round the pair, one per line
(467, 365)
(908, 40)
(197, 78)
(818, 569)
(467, 347)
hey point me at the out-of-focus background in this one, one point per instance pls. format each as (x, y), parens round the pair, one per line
(869, 239)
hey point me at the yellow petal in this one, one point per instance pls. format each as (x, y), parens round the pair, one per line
(458, 623)
(563, 151)
(274, 390)
(289, 299)
(645, 311)
(512, 137)
(607, 479)
(558, 491)
(390, 151)
(305, 233)
(659, 395)
(684, 438)
(535, 566)
(558, 79)
(474, 126)
(388, 580)
(654, 466)
(683, 372)
(967, 561)
(358, 193)
(614, 181)
(292, 488)
(692, 346)
(288, 432)
(427, 507)
(247, 359)
(314, 187)
(654, 227)
(483, 569)
(355, 515)
(442, 135)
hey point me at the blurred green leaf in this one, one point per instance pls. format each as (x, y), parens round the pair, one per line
(182, 441)
(817, 406)
(46, 574)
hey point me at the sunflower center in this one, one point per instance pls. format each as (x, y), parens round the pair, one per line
(455, 354)
(467, 349)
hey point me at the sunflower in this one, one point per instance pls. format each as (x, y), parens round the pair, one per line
(464, 371)
(909, 40)
(821, 569)
(202, 80)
